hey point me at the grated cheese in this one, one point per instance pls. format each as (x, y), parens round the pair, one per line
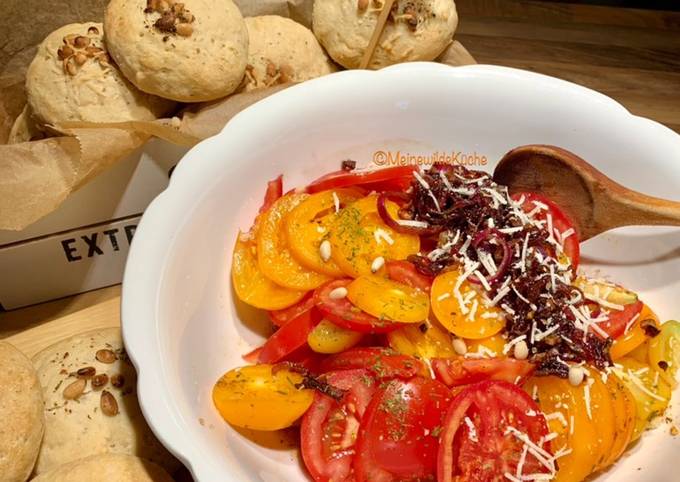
(499, 296)
(483, 280)
(500, 199)
(473, 311)
(638, 383)
(412, 223)
(519, 295)
(629, 325)
(336, 202)
(603, 302)
(523, 261)
(489, 314)
(541, 335)
(586, 397)
(514, 230)
(382, 235)
(472, 434)
(445, 180)
(557, 416)
(553, 286)
(421, 180)
(522, 459)
(426, 185)
(541, 455)
(465, 246)
(541, 206)
(508, 346)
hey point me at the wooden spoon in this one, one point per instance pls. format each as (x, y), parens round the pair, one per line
(594, 202)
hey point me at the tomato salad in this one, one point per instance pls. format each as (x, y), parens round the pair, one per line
(430, 325)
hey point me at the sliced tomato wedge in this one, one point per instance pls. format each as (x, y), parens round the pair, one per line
(615, 326)
(329, 428)
(484, 434)
(383, 363)
(274, 191)
(252, 356)
(282, 317)
(406, 273)
(289, 338)
(399, 434)
(463, 371)
(389, 179)
(344, 314)
(560, 222)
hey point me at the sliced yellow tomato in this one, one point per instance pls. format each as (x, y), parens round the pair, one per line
(327, 337)
(650, 391)
(308, 225)
(602, 411)
(473, 321)
(565, 410)
(634, 337)
(493, 344)
(358, 236)
(664, 352)
(251, 286)
(623, 406)
(274, 257)
(641, 353)
(424, 341)
(388, 300)
(254, 397)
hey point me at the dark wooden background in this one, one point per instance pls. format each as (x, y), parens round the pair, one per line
(631, 55)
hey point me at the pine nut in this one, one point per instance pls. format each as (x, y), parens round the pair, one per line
(576, 375)
(325, 250)
(378, 263)
(338, 293)
(459, 346)
(521, 350)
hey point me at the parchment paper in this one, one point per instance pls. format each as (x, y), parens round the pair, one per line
(36, 177)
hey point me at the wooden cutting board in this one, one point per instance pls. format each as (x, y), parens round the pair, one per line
(51, 322)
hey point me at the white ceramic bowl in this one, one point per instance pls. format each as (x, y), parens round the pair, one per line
(181, 325)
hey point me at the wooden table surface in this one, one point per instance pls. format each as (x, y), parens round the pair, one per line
(630, 55)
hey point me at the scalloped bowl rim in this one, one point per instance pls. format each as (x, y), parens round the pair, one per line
(147, 258)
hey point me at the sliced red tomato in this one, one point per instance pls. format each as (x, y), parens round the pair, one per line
(560, 222)
(464, 371)
(274, 191)
(615, 326)
(329, 428)
(253, 356)
(282, 317)
(344, 314)
(289, 338)
(306, 358)
(383, 363)
(484, 434)
(406, 273)
(388, 179)
(399, 434)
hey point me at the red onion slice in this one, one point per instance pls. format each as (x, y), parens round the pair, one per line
(490, 235)
(394, 223)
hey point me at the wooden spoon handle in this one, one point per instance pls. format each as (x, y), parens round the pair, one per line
(631, 208)
(594, 202)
